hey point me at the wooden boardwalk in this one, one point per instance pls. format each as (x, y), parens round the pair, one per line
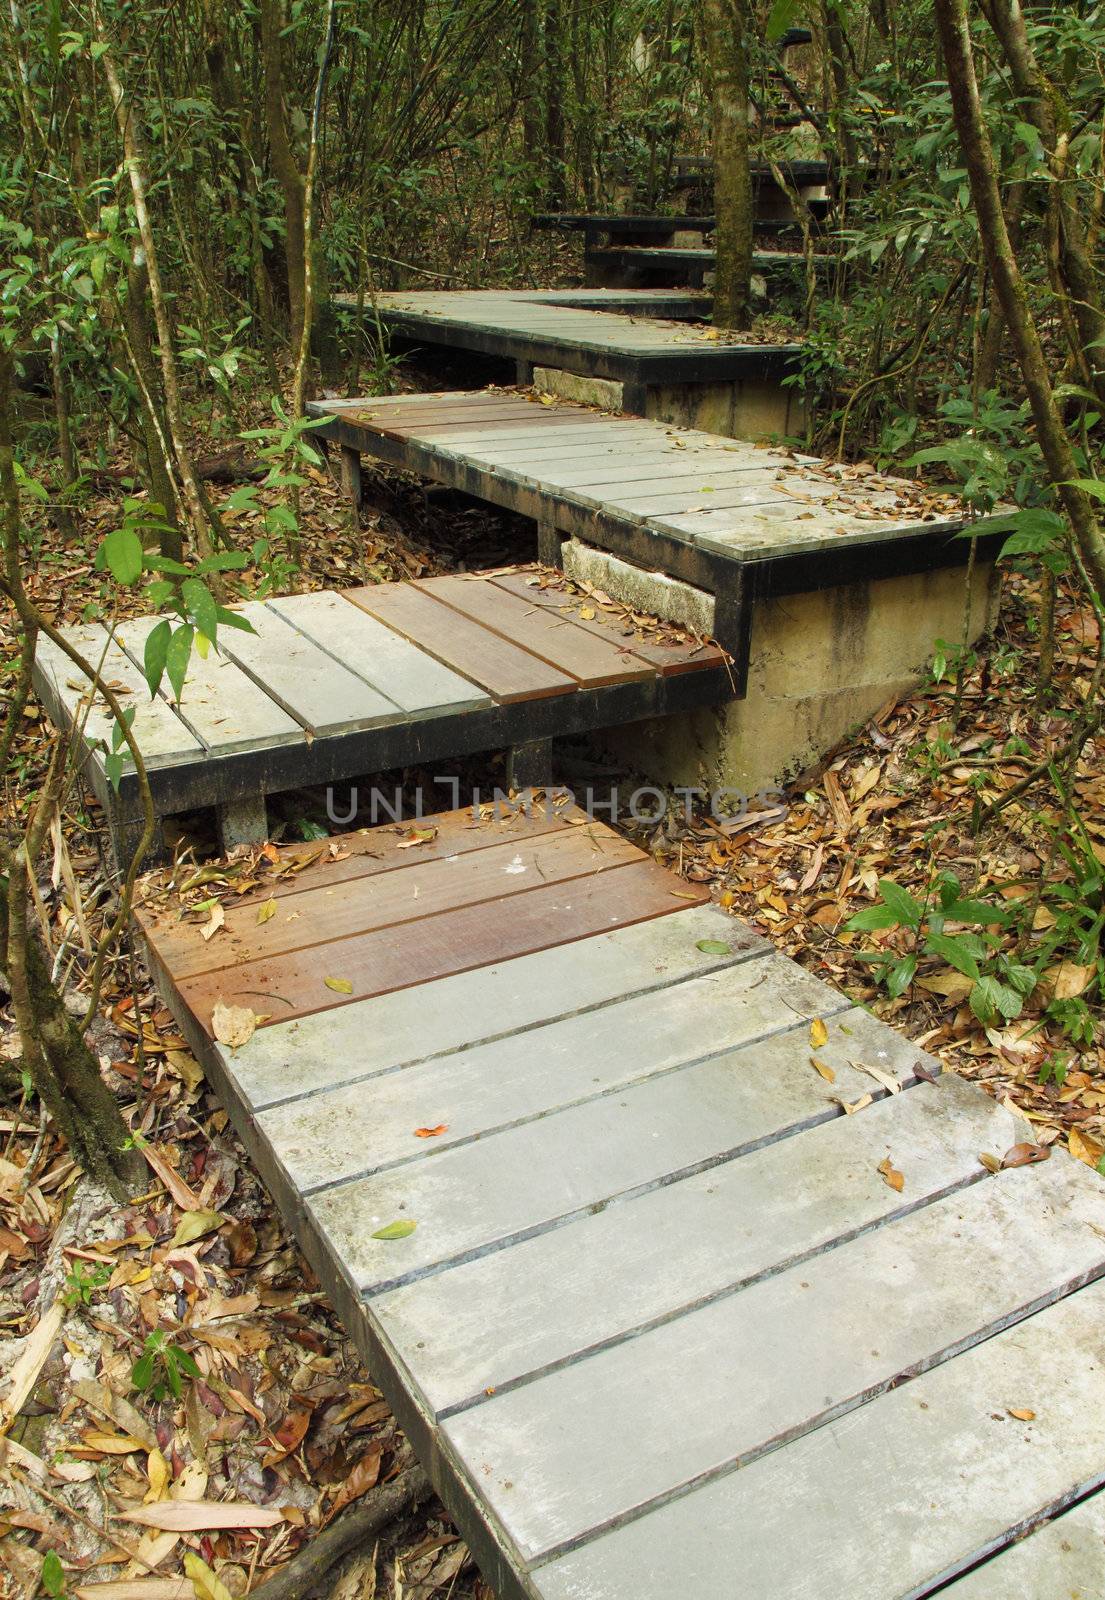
(722, 514)
(569, 1152)
(339, 685)
(629, 337)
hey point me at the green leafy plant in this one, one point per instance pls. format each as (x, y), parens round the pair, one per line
(162, 1367)
(81, 1285)
(1000, 984)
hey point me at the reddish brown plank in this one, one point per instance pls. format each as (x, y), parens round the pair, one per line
(590, 658)
(369, 851)
(457, 941)
(422, 889)
(505, 671)
(664, 658)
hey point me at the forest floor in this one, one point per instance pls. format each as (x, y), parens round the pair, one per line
(279, 1417)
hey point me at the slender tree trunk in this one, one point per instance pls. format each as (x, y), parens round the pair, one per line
(139, 346)
(284, 164)
(554, 103)
(724, 28)
(529, 50)
(174, 413)
(299, 386)
(978, 156)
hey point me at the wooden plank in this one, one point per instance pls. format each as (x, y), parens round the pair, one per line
(727, 1223)
(386, 847)
(220, 704)
(310, 684)
(495, 1085)
(160, 734)
(317, 916)
(589, 657)
(664, 658)
(507, 673)
(749, 1372)
(696, 498)
(397, 669)
(1062, 1560)
(374, 963)
(509, 997)
(943, 1473)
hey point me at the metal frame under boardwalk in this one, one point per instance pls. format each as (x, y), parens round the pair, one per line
(703, 1288)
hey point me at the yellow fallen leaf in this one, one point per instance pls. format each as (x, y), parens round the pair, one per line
(1083, 1148)
(112, 1444)
(953, 986)
(990, 1162)
(339, 985)
(856, 1105)
(587, 613)
(1067, 981)
(268, 910)
(819, 1034)
(217, 921)
(826, 1072)
(1022, 1413)
(194, 1225)
(157, 1471)
(205, 1583)
(891, 1175)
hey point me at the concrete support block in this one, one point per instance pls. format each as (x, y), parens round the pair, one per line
(244, 822)
(602, 392)
(820, 665)
(748, 408)
(652, 592)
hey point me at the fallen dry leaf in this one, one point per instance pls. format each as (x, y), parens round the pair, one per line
(431, 1133)
(1083, 1148)
(199, 1516)
(1022, 1413)
(339, 985)
(891, 1175)
(826, 1072)
(233, 1026)
(819, 1033)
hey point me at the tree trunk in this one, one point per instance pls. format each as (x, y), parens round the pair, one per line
(530, 82)
(65, 1072)
(139, 343)
(978, 156)
(724, 27)
(554, 103)
(284, 164)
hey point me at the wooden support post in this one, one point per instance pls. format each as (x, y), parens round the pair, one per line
(351, 475)
(549, 542)
(523, 371)
(529, 766)
(242, 821)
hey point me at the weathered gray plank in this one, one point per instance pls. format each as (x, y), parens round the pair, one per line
(496, 1085)
(751, 1371)
(160, 734)
(887, 1501)
(623, 1266)
(310, 684)
(292, 1060)
(1062, 1560)
(395, 667)
(468, 1196)
(224, 707)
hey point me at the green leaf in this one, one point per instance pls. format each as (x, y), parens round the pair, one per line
(905, 907)
(123, 555)
(779, 19)
(872, 917)
(954, 951)
(976, 911)
(201, 603)
(1094, 487)
(52, 1576)
(396, 1230)
(178, 656)
(141, 1374)
(155, 654)
(714, 947)
(900, 976)
(113, 769)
